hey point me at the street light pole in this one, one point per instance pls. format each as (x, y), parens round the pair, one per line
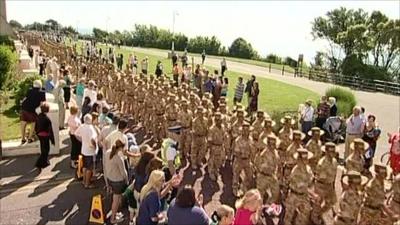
(174, 13)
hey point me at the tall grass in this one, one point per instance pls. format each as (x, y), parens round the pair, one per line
(345, 100)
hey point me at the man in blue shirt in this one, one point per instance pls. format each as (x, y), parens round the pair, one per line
(49, 85)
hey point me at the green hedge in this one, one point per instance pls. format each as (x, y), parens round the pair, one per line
(23, 86)
(345, 100)
(8, 66)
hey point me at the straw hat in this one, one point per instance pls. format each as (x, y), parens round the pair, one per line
(217, 115)
(271, 138)
(359, 142)
(260, 113)
(200, 109)
(298, 133)
(288, 119)
(354, 177)
(329, 146)
(184, 102)
(309, 101)
(303, 153)
(316, 130)
(269, 121)
(246, 125)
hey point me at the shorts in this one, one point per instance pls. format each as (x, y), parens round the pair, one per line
(28, 117)
(88, 162)
(118, 187)
(130, 198)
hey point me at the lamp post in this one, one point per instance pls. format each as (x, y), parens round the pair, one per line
(174, 13)
(107, 21)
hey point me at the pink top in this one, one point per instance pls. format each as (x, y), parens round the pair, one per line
(395, 141)
(242, 217)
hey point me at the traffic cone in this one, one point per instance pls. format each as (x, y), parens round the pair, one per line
(96, 211)
(79, 169)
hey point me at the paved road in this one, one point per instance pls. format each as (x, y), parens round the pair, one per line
(385, 107)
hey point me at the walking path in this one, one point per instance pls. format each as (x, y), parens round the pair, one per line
(385, 107)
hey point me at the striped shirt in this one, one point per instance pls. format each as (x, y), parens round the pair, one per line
(239, 90)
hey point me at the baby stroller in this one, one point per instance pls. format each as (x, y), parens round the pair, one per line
(335, 129)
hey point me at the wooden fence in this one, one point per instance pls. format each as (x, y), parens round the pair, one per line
(355, 82)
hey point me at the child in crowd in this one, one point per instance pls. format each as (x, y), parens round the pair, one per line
(132, 204)
(248, 208)
(224, 215)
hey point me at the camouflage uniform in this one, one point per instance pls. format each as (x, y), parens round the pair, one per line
(300, 180)
(314, 146)
(325, 174)
(350, 201)
(216, 140)
(199, 137)
(235, 131)
(355, 161)
(171, 112)
(243, 147)
(374, 197)
(290, 161)
(266, 165)
(159, 119)
(185, 118)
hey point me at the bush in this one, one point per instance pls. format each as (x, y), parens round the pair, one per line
(345, 100)
(23, 86)
(8, 66)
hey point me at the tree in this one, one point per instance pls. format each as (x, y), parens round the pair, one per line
(272, 58)
(15, 24)
(242, 49)
(344, 29)
(68, 30)
(319, 60)
(99, 34)
(52, 24)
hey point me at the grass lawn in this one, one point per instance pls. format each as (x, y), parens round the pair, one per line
(274, 95)
(9, 122)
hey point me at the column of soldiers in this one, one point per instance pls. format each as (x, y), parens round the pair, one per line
(280, 164)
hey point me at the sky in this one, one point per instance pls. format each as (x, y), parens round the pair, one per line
(279, 27)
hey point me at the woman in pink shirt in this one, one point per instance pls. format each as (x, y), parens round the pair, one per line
(394, 140)
(248, 208)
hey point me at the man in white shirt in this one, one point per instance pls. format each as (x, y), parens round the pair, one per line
(354, 129)
(87, 134)
(307, 116)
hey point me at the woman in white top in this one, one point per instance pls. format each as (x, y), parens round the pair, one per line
(59, 98)
(307, 117)
(73, 123)
(90, 92)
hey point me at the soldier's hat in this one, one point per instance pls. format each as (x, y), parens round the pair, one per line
(260, 113)
(298, 133)
(184, 102)
(217, 115)
(359, 142)
(288, 119)
(303, 153)
(354, 177)
(200, 109)
(329, 146)
(247, 125)
(207, 95)
(272, 137)
(380, 168)
(269, 121)
(315, 130)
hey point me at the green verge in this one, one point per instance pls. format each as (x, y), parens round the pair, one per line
(274, 96)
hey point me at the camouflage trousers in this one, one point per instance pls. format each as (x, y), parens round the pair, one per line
(299, 203)
(269, 187)
(159, 127)
(341, 221)
(216, 160)
(186, 140)
(240, 165)
(327, 194)
(369, 216)
(198, 150)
